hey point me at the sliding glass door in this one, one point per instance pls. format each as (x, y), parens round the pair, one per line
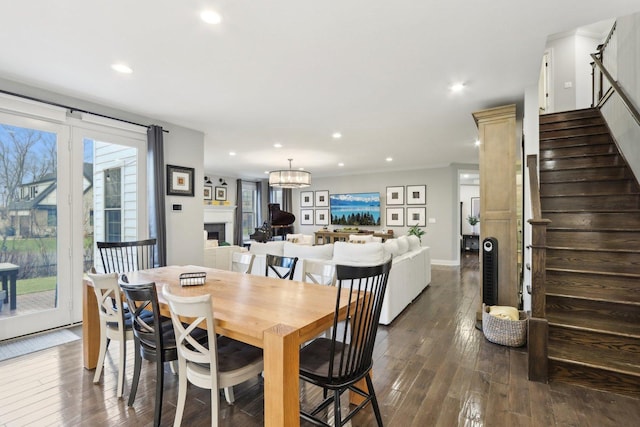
(35, 227)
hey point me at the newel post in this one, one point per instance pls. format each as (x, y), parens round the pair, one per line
(538, 325)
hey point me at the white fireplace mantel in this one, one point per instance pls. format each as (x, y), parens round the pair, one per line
(221, 214)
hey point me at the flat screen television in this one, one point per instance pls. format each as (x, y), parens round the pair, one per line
(355, 209)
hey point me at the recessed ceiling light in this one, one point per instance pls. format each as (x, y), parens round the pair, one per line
(336, 135)
(457, 87)
(341, 164)
(477, 143)
(210, 17)
(121, 68)
(389, 159)
(232, 153)
(277, 145)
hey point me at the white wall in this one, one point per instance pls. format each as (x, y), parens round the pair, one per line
(443, 204)
(562, 71)
(585, 45)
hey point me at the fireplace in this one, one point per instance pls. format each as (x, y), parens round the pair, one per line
(215, 231)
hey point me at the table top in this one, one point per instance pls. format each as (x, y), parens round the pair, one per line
(7, 266)
(245, 305)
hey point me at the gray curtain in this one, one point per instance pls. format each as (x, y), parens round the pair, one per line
(237, 229)
(155, 192)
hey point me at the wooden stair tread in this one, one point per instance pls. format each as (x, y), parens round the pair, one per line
(602, 273)
(570, 211)
(585, 296)
(583, 249)
(594, 229)
(580, 135)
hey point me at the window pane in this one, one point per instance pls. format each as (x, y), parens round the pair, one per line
(113, 225)
(112, 189)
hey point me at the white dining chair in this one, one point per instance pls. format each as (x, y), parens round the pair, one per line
(221, 364)
(321, 273)
(242, 262)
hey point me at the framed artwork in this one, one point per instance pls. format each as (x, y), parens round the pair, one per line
(180, 181)
(395, 217)
(306, 199)
(395, 195)
(322, 216)
(322, 198)
(306, 216)
(475, 207)
(221, 193)
(417, 216)
(416, 194)
(208, 192)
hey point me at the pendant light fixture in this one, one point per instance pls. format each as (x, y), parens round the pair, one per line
(289, 178)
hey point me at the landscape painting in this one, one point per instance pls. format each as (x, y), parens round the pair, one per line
(361, 209)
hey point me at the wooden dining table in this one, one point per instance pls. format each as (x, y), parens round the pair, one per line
(273, 314)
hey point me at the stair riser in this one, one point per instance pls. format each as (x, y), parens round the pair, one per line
(569, 115)
(582, 162)
(620, 348)
(588, 220)
(588, 188)
(584, 131)
(594, 378)
(587, 311)
(584, 121)
(589, 202)
(616, 172)
(593, 286)
(582, 150)
(608, 262)
(577, 141)
(593, 239)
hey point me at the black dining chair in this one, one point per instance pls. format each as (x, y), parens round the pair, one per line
(281, 266)
(154, 339)
(121, 257)
(337, 363)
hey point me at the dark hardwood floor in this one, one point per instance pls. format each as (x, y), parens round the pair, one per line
(432, 368)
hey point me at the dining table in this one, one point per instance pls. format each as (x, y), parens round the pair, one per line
(274, 314)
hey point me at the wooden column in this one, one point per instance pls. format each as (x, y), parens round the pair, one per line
(498, 197)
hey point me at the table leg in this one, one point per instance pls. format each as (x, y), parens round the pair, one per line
(281, 382)
(90, 327)
(14, 278)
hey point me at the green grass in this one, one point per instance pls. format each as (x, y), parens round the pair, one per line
(31, 245)
(39, 284)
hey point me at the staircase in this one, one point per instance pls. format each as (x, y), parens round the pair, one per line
(593, 254)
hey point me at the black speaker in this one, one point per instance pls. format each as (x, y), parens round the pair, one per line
(490, 271)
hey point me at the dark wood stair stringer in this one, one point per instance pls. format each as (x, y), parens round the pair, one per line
(592, 285)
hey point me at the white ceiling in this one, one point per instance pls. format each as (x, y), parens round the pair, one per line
(295, 71)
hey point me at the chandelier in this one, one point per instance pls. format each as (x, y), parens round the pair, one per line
(289, 178)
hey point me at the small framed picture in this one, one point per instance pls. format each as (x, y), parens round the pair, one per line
(208, 192)
(221, 193)
(322, 216)
(322, 198)
(306, 199)
(395, 217)
(306, 216)
(416, 194)
(180, 181)
(417, 216)
(395, 195)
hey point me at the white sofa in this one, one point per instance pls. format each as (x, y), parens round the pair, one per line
(410, 272)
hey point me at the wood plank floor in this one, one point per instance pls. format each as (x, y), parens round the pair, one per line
(432, 368)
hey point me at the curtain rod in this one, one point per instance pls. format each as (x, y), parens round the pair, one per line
(71, 109)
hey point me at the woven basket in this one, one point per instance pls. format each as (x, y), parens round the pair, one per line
(512, 333)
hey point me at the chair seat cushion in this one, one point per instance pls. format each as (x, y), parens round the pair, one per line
(234, 354)
(314, 358)
(145, 315)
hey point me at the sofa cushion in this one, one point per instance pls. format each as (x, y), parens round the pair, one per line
(273, 248)
(366, 254)
(391, 247)
(294, 238)
(403, 244)
(414, 242)
(322, 252)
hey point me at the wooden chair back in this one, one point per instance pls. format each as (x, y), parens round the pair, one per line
(122, 257)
